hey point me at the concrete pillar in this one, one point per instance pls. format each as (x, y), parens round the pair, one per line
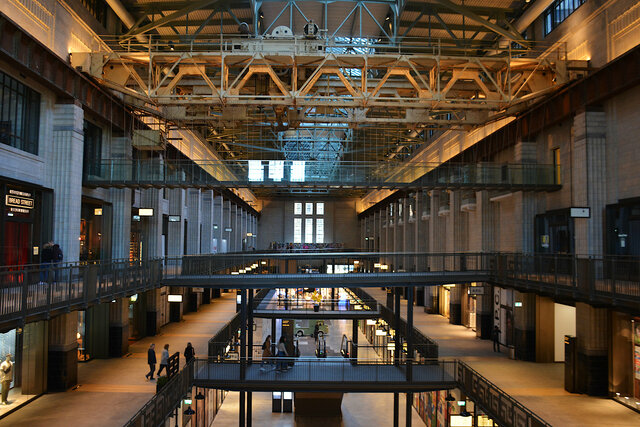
(218, 221)
(193, 224)
(156, 309)
(524, 203)
(592, 332)
(481, 240)
(589, 179)
(175, 233)
(121, 202)
(206, 219)
(62, 371)
(66, 181)
(455, 305)
(121, 229)
(119, 327)
(226, 222)
(484, 313)
(524, 319)
(152, 226)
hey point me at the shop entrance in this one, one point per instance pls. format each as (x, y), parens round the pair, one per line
(17, 243)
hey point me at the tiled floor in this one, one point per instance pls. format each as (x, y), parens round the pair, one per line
(538, 386)
(358, 410)
(111, 391)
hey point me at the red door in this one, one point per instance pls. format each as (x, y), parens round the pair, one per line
(17, 243)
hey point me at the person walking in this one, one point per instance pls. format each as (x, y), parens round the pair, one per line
(46, 259)
(495, 336)
(151, 360)
(316, 331)
(282, 352)
(189, 352)
(266, 353)
(56, 259)
(164, 360)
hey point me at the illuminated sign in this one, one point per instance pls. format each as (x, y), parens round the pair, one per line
(97, 211)
(145, 212)
(19, 201)
(174, 298)
(174, 218)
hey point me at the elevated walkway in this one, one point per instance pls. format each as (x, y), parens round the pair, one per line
(153, 173)
(33, 292)
(339, 375)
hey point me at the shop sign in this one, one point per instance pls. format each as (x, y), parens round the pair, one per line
(197, 290)
(580, 212)
(476, 290)
(19, 201)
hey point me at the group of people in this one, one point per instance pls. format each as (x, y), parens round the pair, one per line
(51, 256)
(281, 364)
(189, 353)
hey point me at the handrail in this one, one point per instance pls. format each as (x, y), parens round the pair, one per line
(493, 399)
(41, 290)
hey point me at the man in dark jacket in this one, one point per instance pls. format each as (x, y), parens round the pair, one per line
(189, 352)
(46, 258)
(495, 336)
(56, 260)
(151, 360)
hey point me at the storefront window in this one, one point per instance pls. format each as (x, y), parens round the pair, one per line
(83, 355)
(95, 231)
(23, 365)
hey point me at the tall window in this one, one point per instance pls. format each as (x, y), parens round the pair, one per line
(320, 230)
(256, 170)
(276, 170)
(297, 171)
(297, 230)
(558, 12)
(308, 226)
(92, 149)
(19, 115)
(308, 230)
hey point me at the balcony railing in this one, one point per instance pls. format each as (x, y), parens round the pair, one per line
(30, 292)
(335, 174)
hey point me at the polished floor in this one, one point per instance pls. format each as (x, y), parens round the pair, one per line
(111, 391)
(538, 386)
(358, 410)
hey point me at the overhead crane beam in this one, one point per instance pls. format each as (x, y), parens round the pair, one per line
(305, 74)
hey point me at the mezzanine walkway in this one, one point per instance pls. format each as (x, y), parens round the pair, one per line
(111, 391)
(331, 374)
(538, 386)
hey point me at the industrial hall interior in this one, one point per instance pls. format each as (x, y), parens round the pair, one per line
(320, 213)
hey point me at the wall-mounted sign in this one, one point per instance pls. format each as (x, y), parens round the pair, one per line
(197, 290)
(215, 226)
(174, 218)
(476, 290)
(544, 241)
(228, 229)
(174, 298)
(97, 211)
(580, 212)
(135, 218)
(249, 234)
(19, 201)
(518, 304)
(145, 212)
